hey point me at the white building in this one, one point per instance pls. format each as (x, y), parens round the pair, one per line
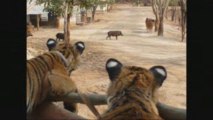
(36, 14)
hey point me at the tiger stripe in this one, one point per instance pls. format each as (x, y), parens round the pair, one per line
(37, 69)
(131, 93)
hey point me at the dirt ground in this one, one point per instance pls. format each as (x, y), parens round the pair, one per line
(137, 47)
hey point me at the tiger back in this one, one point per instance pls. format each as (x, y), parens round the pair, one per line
(72, 53)
(131, 94)
(47, 76)
(46, 73)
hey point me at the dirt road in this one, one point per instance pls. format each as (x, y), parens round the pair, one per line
(136, 47)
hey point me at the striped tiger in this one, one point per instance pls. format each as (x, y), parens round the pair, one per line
(71, 52)
(150, 24)
(50, 73)
(132, 91)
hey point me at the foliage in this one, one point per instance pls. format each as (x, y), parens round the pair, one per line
(56, 6)
(137, 2)
(110, 2)
(89, 3)
(85, 4)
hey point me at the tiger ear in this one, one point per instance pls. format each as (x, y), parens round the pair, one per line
(80, 46)
(113, 68)
(51, 43)
(159, 73)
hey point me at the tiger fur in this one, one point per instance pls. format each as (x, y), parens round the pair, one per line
(132, 90)
(150, 23)
(48, 75)
(73, 54)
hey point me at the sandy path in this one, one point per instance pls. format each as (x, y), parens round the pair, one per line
(136, 47)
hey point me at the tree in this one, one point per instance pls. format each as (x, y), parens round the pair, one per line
(155, 11)
(55, 8)
(94, 7)
(93, 4)
(182, 4)
(159, 7)
(61, 8)
(85, 4)
(110, 3)
(173, 4)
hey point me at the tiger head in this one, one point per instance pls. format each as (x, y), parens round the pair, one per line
(71, 52)
(129, 80)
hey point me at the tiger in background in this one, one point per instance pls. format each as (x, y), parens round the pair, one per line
(48, 75)
(150, 23)
(132, 91)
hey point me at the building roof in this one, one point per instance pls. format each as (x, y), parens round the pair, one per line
(33, 9)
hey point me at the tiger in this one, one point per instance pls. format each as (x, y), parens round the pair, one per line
(149, 24)
(131, 93)
(70, 52)
(48, 75)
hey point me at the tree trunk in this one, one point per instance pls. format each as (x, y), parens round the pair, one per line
(156, 24)
(65, 24)
(167, 13)
(138, 3)
(183, 30)
(93, 12)
(86, 13)
(155, 11)
(173, 13)
(183, 19)
(161, 27)
(68, 20)
(108, 7)
(38, 18)
(159, 8)
(183, 34)
(68, 27)
(58, 22)
(179, 20)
